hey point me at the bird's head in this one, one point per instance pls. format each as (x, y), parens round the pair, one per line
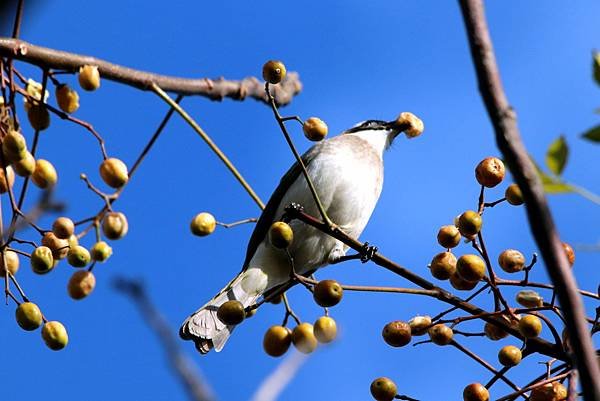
(384, 132)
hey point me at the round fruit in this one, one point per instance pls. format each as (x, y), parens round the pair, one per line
(114, 172)
(7, 179)
(281, 235)
(513, 195)
(383, 389)
(14, 146)
(38, 117)
(273, 71)
(448, 236)
(303, 338)
(231, 312)
(277, 340)
(55, 335)
(29, 316)
(511, 261)
(41, 260)
(11, 259)
(63, 227)
(530, 326)
(461, 284)
(440, 334)
(203, 224)
(315, 129)
(529, 299)
(510, 356)
(490, 172)
(81, 284)
(476, 392)
(470, 268)
(26, 166)
(328, 293)
(100, 251)
(114, 225)
(397, 334)
(410, 124)
(469, 223)
(89, 77)
(67, 98)
(44, 175)
(494, 332)
(325, 329)
(59, 247)
(570, 253)
(443, 265)
(78, 256)
(549, 392)
(419, 325)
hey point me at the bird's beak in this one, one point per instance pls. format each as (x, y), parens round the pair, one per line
(408, 123)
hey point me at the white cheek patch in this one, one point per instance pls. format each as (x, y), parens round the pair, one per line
(254, 281)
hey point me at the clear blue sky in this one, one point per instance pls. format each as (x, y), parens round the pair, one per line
(357, 61)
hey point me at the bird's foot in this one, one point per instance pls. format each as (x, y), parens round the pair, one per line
(367, 252)
(292, 210)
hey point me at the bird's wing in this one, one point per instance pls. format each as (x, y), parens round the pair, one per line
(268, 215)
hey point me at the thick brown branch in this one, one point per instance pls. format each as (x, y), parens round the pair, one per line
(508, 138)
(216, 89)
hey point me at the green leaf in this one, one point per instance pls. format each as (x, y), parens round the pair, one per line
(556, 155)
(596, 66)
(592, 134)
(552, 185)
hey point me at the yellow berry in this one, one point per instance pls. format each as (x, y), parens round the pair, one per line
(14, 146)
(38, 117)
(59, 247)
(81, 284)
(530, 326)
(78, 256)
(41, 260)
(529, 299)
(114, 225)
(410, 124)
(443, 265)
(569, 252)
(315, 129)
(114, 172)
(383, 389)
(28, 316)
(448, 236)
(469, 223)
(325, 329)
(440, 334)
(460, 283)
(419, 325)
(203, 224)
(89, 77)
(44, 175)
(281, 235)
(273, 71)
(511, 261)
(55, 335)
(11, 259)
(328, 293)
(490, 172)
(63, 227)
(510, 356)
(476, 392)
(397, 334)
(67, 98)
(26, 166)
(303, 338)
(513, 195)
(494, 332)
(277, 340)
(470, 267)
(231, 312)
(100, 251)
(7, 179)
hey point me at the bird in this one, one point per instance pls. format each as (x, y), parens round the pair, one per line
(347, 173)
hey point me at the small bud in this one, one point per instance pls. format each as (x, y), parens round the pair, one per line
(63, 227)
(78, 256)
(281, 235)
(304, 338)
(513, 195)
(277, 340)
(67, 98)
(114, 225)
(448, 236)
(203, 224)
(325, 329)
(383, 389)
(55, 335)
(443, 265)
(440, 334)
(490, 172)
(114, 172)
(89, 77)
(476, 392)
(328, 293)
(59, 247)
(470, 268)
(44, 175)
(397, 334)
(26, 166)
(410, 124)
(11, 260)
(511, 261)
(273, 71)
(38, 117)
(419, 325)
(7, 179)
(231, 312)
(28, 315)
(100, 251)
(41, 260)
(81, 284)
(315, 129)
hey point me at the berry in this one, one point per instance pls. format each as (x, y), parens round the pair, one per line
(78, 256)
(419, 325)
(277, 340)
(513, 195)
(448, 236)
(443, 265)
(29, 316)
(67, 98)
(511, 261)
(509, 356)
(529, 299)
(469, 223)
(440, 334)
(114, 225)
(470, 268)
(11, 259)
(89, 77)
(114, 172)
(14, 146)
(273, 71)
(41, 260)
(59, 247)
(55, 335)
(26, 166)
(476, 392)
(315, 129)
(203, 224)
(100, 251)
(490, 172)
(81, 284)
(38, 117)
(304, 338)
(460, 283)
(63, 228)
(7, 179)
(530, 326)
(494, 332)
(549, 392)
(281, 235)
(328, 293)
(231, 312)
(570, 253)
(383, 389)
(325, 329)
(410, 124)
(397, 334)
(44, 175)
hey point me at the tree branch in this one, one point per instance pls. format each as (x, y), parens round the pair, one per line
(216, 89)
(509, 142)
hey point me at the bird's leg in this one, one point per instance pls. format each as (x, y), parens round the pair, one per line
(290, 209)
(365, 254)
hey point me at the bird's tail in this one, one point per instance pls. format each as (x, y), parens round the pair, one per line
(205, 328)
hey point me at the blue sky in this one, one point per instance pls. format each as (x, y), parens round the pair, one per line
(357, 61)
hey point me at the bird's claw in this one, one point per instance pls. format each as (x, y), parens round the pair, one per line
(367, 252)
(292, 210)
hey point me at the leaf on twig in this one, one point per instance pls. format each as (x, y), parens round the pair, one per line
(592, 134)
(552, 185)
(556, 155)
